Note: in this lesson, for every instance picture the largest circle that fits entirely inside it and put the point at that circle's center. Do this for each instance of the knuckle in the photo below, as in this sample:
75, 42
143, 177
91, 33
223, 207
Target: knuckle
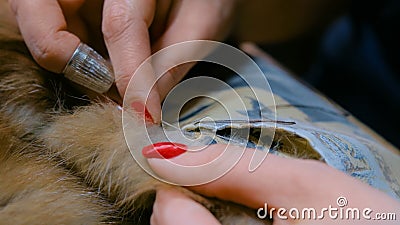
42, 53
41, 56
115, 21
14, 6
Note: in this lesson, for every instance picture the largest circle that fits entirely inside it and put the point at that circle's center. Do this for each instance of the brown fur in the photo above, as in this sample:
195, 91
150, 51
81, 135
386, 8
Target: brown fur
63, 159
34, 190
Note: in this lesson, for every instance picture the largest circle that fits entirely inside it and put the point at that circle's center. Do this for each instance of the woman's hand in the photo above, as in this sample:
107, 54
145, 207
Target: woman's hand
129, 31
278, 182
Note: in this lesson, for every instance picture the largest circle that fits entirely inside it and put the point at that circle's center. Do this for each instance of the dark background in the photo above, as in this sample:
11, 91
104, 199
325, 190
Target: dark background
355, 61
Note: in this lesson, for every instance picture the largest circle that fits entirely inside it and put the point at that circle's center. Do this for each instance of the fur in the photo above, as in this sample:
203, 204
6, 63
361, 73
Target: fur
35, 190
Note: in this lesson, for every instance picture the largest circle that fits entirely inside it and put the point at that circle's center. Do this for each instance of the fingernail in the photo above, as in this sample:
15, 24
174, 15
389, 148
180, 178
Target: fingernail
164, 150
142, 110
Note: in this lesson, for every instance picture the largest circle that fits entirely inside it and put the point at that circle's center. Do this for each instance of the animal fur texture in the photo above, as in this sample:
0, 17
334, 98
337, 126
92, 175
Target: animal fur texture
64, 160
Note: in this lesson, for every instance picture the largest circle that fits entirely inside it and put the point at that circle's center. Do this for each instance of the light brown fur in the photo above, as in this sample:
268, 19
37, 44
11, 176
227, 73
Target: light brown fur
34, 190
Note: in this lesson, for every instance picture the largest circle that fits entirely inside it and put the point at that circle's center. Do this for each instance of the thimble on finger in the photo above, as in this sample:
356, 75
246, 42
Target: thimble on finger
89, 69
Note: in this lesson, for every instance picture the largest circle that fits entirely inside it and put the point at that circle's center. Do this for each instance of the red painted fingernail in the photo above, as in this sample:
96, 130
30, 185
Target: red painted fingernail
142, 110
163, 150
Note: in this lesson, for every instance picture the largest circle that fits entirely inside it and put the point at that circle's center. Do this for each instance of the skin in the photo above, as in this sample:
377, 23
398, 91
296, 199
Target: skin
126, 31
279, 182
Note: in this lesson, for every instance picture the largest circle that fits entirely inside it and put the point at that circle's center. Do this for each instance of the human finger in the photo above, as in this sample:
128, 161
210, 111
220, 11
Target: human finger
171, 207
280, 182
125, 29
44, 29
186, 22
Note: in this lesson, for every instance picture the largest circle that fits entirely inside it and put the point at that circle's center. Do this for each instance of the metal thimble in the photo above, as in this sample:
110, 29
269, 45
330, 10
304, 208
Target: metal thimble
89, 69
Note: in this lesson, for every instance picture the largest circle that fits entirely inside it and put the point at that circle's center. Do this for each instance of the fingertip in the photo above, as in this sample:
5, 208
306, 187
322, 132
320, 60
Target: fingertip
153, 105
147, 108
141, 93
173, 207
